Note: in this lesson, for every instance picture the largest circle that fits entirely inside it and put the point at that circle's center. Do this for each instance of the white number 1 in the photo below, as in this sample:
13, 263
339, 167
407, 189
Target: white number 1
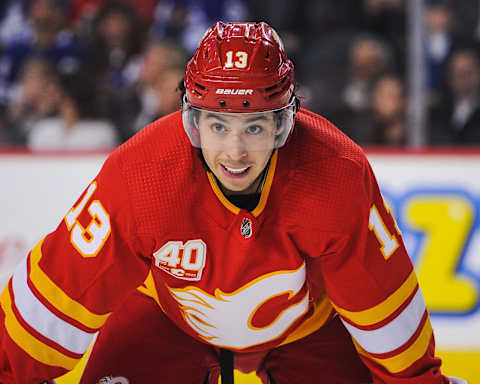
389, 242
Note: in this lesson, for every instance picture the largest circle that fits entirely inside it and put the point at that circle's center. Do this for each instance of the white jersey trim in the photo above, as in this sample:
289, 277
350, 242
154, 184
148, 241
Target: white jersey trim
394, 334
42, 319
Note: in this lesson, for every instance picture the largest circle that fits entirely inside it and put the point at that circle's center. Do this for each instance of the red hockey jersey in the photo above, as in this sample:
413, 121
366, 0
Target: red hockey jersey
320, 243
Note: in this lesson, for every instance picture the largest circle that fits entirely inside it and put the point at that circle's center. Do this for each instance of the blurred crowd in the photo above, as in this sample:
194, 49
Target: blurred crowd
89, 74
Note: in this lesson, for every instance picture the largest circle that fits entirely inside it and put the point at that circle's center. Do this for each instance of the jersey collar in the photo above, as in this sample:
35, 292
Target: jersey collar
263, 197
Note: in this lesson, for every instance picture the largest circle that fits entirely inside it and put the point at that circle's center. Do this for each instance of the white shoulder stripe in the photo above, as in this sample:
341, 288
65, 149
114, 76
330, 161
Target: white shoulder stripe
395, 333
42, 319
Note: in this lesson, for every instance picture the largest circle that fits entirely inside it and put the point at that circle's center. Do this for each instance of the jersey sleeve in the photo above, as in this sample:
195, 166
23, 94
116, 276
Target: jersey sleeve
65, 289
372, 285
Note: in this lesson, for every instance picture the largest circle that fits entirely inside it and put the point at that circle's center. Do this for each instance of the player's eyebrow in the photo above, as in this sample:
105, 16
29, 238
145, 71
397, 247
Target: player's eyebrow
256, 118
252, 119
215, 116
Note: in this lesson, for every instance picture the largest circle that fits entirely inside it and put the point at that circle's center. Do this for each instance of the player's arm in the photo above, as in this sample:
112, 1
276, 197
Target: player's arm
372, 284
64, 290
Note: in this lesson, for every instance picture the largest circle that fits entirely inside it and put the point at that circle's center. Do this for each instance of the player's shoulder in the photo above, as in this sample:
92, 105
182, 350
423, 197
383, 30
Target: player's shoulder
319, 140
326, 174
155, 167
160, 139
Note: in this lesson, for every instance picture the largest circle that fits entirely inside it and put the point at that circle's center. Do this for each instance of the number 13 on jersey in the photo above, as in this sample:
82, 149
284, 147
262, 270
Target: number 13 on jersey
88, 241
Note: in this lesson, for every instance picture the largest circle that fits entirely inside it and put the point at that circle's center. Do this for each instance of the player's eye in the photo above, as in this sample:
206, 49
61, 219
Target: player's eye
254, 129
218, 128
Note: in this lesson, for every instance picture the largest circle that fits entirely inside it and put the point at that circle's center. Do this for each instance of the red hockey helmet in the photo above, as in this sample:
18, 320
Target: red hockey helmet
240, 68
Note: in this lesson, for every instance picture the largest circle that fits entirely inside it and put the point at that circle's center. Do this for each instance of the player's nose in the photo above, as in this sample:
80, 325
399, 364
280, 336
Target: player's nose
235, 148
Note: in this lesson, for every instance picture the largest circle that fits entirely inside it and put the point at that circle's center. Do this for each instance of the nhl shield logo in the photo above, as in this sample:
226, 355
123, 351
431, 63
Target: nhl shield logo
114, 380
246, 228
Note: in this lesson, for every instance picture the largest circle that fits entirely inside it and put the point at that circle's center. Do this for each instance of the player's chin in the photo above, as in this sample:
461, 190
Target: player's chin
237, 185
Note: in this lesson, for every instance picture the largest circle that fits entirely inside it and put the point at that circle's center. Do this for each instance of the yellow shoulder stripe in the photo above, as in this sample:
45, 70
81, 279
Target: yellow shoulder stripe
268, 185
385, 308
32, 346
58, 298
406, 358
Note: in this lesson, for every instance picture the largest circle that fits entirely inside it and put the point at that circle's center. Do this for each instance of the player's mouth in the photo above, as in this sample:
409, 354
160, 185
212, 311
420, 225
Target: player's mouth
235, 173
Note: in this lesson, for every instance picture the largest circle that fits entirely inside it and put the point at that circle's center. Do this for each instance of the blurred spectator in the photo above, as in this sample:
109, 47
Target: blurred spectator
440, 41
83, 14
85, 10
388, 113
13, 21
369, 59
78, 125
47, 38
455, 119
114, 55
115, 45
386, 19
185, 21
164, 98
150, 97
37, 98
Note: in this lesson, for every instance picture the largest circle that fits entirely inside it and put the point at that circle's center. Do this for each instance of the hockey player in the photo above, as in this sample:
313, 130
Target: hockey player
259, 239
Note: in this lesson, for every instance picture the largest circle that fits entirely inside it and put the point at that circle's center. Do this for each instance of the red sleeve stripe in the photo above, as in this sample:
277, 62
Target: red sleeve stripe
409, 356
388, 319
37, 335
31, 345
393, 334
40, 318
58, 298
51, 308
407, 344
384, 309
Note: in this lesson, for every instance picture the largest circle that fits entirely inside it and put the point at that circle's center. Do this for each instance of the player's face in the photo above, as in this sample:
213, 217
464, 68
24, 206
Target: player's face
237, 147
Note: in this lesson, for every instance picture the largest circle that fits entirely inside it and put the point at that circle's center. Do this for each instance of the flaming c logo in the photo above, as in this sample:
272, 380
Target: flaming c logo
226, 318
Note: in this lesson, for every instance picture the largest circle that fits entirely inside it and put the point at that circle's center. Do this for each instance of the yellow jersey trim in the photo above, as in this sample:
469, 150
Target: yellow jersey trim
406, 358
148, 289
268, 185
58, 298
31, 345
385, 308
263, 197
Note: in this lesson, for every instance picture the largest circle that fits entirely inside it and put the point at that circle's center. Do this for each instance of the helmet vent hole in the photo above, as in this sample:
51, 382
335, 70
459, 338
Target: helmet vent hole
267, 55
223, 103
273, 95
200, 86
246, 104
271, 88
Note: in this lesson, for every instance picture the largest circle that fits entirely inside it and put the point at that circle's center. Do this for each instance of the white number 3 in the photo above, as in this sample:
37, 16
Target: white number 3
241, 61
388, 242
88, 241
